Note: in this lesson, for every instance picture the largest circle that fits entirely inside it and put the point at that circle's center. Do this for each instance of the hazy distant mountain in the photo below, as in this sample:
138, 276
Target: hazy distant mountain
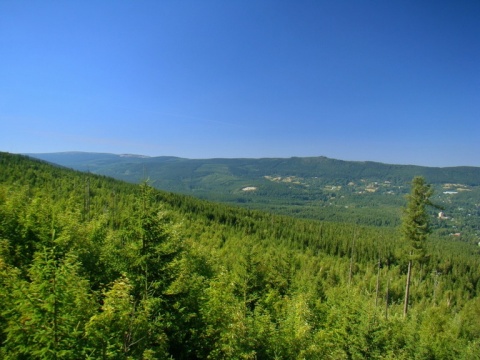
167, 168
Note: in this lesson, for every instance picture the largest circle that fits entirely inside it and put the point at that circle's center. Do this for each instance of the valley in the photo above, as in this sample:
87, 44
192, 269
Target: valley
317, 188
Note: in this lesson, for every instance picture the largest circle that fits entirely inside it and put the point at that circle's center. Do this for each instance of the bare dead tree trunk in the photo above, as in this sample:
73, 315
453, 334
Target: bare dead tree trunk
350, 274
87, 199
378, 283
386, 299
407, 288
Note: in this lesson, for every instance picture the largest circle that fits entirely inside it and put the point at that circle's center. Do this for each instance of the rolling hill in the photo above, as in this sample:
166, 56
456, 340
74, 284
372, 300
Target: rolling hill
321, 188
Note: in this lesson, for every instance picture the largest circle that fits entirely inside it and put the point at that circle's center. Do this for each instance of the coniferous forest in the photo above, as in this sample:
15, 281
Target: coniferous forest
96, 268
318, 188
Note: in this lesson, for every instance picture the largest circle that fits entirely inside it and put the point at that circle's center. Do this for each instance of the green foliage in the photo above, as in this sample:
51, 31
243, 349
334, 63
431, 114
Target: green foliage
366, 193
91, 267
46, 314
416, 223
122, 329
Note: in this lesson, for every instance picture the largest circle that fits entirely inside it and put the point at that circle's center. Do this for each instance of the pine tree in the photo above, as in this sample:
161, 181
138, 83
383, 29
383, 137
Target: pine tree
46, 316
123, 328
416, 226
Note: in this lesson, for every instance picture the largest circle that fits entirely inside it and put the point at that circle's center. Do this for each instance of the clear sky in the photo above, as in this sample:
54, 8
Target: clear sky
390, 81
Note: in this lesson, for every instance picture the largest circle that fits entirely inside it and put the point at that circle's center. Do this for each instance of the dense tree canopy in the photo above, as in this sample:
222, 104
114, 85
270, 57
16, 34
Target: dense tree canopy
95, 268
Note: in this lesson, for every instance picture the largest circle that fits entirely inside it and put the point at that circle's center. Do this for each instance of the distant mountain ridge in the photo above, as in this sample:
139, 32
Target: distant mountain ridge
333, 169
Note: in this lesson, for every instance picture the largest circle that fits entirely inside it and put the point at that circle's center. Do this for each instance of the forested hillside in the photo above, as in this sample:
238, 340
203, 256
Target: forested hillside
96, 268
320, 188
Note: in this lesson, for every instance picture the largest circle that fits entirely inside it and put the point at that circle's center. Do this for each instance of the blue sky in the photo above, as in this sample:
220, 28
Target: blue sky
389, 81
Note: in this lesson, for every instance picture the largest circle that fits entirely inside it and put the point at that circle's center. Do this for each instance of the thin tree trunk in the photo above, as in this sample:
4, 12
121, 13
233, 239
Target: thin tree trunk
407, 289
351, 260
87, 199
435, 284
378, 284
55, 313
386, 299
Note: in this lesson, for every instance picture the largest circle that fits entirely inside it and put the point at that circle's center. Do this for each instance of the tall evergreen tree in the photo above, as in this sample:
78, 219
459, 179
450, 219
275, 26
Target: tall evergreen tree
416, 226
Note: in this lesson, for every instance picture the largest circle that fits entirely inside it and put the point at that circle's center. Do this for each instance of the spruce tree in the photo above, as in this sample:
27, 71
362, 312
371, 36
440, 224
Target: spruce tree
46, 315
416, 226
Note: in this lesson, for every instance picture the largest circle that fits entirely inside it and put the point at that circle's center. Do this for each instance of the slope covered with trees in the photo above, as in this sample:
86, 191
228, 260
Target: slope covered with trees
320, 188
91, 267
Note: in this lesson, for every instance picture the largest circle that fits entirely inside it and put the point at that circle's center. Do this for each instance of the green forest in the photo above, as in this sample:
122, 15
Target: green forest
319, 188
96, 268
